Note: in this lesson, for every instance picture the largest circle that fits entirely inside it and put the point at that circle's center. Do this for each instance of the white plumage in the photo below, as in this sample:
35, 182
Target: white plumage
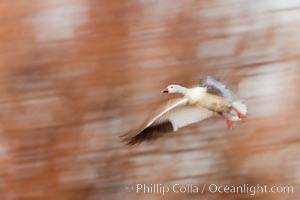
197, 104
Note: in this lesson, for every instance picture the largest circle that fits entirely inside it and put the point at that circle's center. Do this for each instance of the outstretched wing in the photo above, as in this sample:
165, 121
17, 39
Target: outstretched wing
215, 87
218, 88
175, 115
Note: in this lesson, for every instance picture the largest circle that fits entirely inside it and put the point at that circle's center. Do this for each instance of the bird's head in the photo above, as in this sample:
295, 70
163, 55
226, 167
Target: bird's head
172, 89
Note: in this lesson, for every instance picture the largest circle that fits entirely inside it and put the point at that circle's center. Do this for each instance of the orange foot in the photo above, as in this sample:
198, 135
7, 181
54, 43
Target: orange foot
241, 116
229, 123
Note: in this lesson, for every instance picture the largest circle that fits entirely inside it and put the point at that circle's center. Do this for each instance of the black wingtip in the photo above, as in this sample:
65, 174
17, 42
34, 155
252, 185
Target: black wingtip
129, 141
150, 133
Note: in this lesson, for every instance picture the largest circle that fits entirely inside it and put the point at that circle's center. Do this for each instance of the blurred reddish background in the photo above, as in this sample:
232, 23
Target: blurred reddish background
76, 74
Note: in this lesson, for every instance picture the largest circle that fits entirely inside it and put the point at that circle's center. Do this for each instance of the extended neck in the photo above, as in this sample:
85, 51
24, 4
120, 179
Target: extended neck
182, 90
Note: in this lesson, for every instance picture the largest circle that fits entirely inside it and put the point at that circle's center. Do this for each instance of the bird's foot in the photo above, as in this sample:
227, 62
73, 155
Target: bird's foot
241, 116
230, 123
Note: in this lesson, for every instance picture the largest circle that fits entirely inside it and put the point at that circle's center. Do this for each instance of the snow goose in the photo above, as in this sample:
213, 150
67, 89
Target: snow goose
197, 104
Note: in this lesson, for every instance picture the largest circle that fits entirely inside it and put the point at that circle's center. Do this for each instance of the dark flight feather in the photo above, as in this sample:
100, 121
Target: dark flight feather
151, 132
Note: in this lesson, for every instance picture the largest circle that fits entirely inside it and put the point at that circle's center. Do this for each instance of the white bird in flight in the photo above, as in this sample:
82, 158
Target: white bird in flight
197, 104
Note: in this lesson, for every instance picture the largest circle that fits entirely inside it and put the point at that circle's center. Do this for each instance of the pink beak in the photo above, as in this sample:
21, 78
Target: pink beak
165, 90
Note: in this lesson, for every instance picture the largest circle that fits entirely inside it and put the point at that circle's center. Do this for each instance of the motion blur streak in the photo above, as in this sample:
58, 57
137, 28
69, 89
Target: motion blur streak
76, 74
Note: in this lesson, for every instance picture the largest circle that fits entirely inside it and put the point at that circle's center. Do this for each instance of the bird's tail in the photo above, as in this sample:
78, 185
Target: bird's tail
240, 107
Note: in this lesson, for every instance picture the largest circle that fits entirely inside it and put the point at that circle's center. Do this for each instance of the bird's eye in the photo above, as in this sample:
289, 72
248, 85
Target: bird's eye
171, 86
